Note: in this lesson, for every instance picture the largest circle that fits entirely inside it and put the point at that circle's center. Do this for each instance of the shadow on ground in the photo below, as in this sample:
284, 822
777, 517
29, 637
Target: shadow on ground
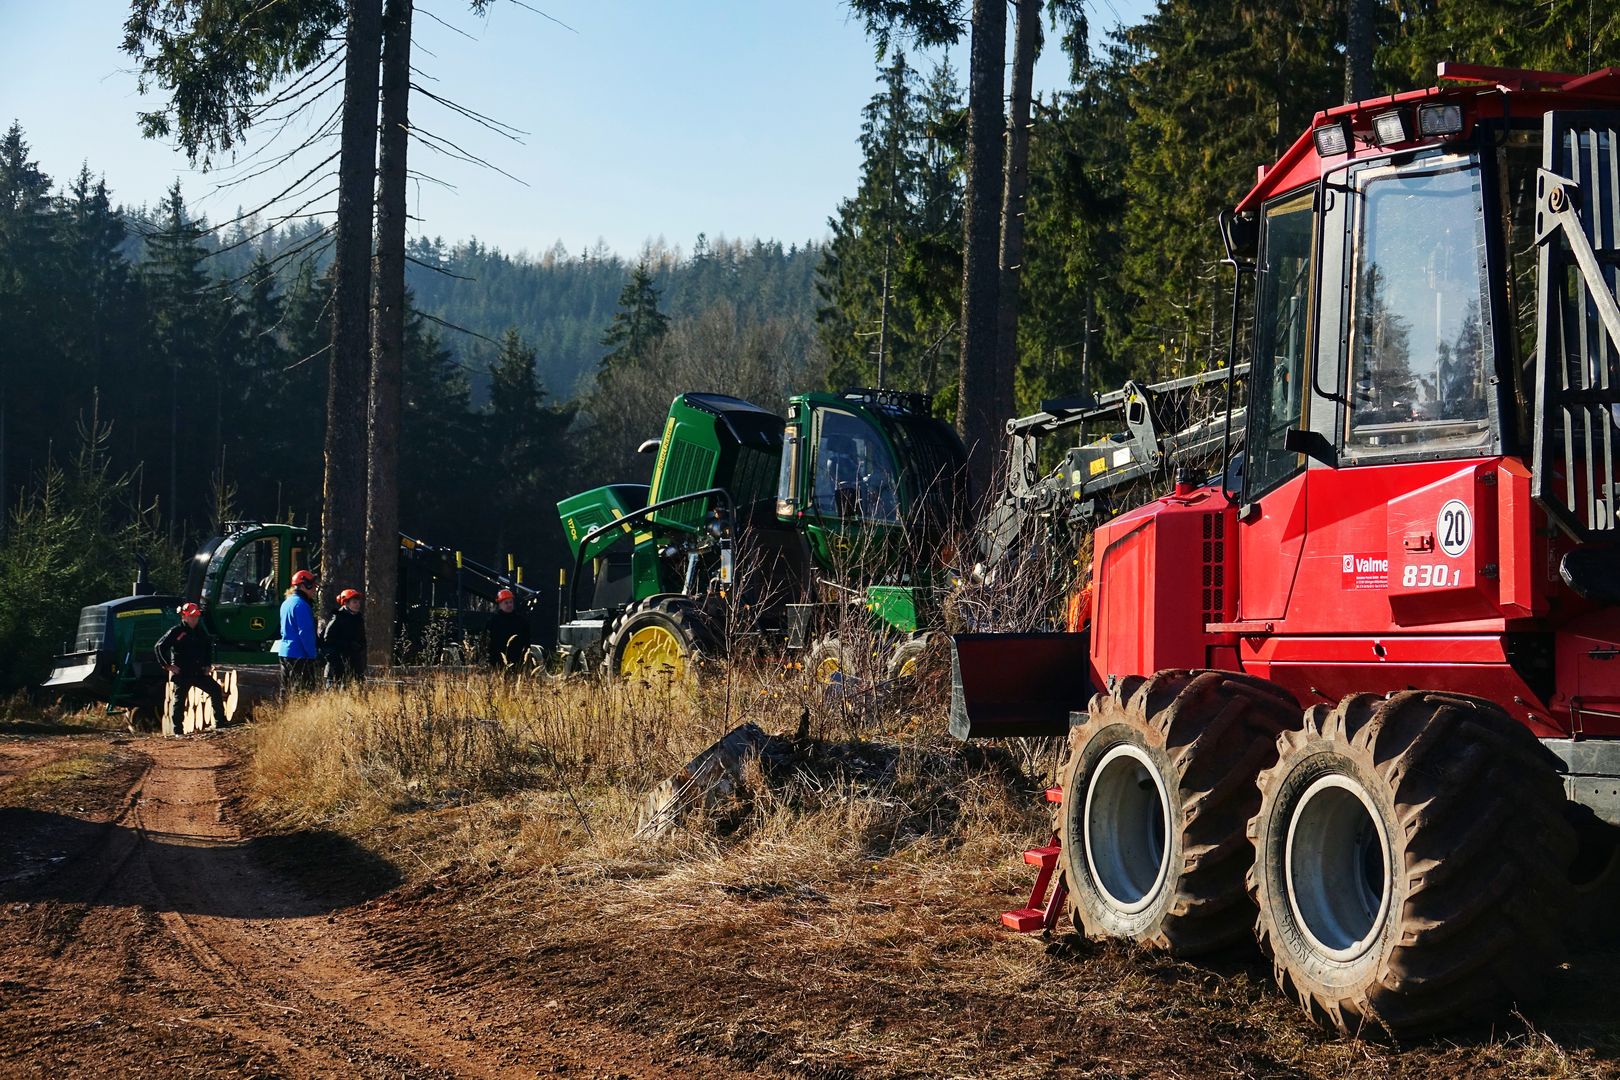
57, 858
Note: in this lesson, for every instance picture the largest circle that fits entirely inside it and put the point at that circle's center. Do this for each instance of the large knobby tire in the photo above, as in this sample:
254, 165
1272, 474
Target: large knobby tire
1157, 791
665, 635
828, 662
1594, 876
1410, 862
908, 658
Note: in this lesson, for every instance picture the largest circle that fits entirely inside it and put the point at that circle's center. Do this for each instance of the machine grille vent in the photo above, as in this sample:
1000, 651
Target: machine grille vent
690, 468
1214, 574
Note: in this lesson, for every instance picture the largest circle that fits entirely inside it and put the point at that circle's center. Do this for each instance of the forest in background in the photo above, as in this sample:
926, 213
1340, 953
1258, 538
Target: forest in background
159, 376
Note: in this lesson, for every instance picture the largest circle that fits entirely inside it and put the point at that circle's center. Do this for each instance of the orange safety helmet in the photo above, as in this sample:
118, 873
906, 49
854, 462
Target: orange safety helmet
188, 609
350, 594
304, 577
504, 594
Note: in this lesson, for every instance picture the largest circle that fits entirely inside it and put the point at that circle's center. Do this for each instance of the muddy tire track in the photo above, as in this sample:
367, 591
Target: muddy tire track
166, 944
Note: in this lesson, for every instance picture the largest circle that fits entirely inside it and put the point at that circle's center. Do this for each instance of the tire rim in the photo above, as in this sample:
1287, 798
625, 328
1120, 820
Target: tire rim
908, 667
1126, 812
1337, 866
829, 670
652, 648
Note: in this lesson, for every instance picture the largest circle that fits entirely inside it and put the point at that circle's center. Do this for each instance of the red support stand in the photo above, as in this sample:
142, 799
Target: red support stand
1043, 910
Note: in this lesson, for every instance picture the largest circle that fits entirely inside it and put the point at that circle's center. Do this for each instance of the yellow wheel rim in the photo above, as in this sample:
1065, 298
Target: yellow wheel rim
828, 669
653, 648
908, 667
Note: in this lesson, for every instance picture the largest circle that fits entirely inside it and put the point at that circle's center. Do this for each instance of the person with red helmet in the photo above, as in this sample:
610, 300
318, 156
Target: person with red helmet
187, 654
508, 634
343, 639
299, 645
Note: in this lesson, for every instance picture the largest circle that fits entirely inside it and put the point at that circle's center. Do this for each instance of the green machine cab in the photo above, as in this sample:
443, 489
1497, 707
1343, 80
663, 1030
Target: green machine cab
759, 529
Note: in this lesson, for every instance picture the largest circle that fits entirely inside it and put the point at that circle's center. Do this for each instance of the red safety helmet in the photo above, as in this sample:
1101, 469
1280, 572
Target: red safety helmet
189, 609
304, 577
350, 594
504, 594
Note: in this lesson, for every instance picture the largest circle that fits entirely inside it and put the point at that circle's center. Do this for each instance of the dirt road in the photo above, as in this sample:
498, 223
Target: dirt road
148, 935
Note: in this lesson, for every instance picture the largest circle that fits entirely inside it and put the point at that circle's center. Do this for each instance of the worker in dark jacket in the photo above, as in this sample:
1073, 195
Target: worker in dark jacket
299, 645
343, 640
187, 654
508, 635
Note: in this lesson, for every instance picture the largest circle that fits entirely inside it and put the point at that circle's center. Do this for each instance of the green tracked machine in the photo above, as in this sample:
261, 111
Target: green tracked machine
239, 578
768, 533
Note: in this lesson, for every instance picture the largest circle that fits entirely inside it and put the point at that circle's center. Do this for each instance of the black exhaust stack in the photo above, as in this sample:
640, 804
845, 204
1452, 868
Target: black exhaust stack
143, 587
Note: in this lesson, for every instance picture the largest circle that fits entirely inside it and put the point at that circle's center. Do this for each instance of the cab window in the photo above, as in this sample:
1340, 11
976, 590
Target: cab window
1278, 375
1420, 339
250, 578
787, 477
853, 476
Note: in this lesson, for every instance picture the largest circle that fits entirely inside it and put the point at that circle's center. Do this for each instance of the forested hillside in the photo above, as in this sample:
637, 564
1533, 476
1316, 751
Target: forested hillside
561, 302
161, 376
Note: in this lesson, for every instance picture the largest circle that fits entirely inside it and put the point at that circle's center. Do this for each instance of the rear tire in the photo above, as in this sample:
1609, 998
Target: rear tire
1595, 876
660, 635
1158, 788
828, 663
1410, 862
907, 659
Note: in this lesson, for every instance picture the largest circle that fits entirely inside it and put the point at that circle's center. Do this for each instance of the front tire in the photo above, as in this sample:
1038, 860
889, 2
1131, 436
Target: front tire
1410, 862
661, 635
1157, 790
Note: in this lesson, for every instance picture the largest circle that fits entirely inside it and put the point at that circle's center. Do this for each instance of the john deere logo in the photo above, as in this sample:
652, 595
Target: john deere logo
256, 623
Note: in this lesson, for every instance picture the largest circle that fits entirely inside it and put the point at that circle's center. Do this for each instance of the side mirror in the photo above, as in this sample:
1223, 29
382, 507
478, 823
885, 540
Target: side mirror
1241, 235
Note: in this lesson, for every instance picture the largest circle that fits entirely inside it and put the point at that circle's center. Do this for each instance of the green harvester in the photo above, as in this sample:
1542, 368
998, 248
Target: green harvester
763, 533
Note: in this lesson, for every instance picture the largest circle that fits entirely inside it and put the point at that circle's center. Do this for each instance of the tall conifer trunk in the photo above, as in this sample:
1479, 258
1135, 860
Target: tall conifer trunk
1358, 51
343, 517
388, 338
1026, 48
978, 401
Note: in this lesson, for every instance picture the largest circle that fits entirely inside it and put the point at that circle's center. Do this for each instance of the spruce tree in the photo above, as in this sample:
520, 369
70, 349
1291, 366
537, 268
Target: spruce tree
30, 296
184, 313
638, 323
526, 445
90, 234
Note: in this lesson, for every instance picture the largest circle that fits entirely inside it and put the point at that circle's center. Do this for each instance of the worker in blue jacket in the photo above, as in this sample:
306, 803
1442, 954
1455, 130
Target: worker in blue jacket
299, 646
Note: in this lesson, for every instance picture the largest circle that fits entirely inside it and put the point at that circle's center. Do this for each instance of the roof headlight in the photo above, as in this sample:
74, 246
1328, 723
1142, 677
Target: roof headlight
1390, 128
1440, 119
1331, 139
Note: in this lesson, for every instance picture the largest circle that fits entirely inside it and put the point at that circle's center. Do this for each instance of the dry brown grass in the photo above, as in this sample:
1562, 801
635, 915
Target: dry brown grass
360, 757
838, 920
21, 716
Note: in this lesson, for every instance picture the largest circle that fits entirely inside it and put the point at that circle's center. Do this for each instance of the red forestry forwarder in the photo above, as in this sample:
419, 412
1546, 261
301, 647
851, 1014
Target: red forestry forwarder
1361, 697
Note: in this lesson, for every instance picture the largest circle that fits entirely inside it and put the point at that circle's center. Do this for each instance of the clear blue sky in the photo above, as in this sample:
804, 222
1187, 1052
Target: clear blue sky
643, 118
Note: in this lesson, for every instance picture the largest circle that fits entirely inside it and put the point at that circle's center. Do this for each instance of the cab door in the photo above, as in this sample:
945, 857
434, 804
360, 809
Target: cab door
1404, 524
1272, 519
